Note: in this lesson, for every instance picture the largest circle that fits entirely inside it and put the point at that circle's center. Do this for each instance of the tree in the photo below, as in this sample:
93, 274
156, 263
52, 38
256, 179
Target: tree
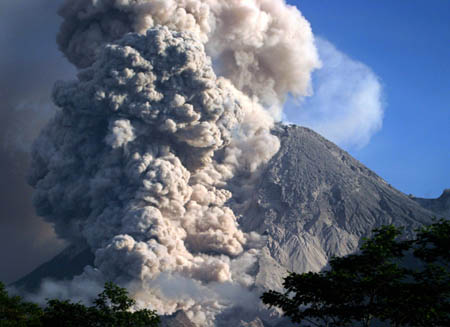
14, 312
110, 309
394, 282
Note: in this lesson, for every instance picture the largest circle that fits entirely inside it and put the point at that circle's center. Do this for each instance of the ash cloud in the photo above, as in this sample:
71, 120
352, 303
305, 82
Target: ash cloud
155, 147
128, 164
264, 47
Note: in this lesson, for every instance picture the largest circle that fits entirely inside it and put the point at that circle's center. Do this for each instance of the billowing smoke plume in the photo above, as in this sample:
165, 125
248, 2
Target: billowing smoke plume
137, 163
264, 47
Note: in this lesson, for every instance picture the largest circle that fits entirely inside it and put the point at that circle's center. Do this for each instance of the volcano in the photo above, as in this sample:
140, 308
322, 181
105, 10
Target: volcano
313, 201
316, 201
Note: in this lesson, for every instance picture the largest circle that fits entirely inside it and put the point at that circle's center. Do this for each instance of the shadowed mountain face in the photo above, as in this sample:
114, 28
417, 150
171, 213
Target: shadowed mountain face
314, 201
69, 263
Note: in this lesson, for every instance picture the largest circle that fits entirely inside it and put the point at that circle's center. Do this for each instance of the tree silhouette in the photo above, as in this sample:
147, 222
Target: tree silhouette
14, 312
112, 308
389, 282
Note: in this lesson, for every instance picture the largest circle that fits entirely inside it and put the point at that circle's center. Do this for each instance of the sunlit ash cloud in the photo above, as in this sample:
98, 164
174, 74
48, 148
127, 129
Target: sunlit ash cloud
152, 143
141, 161
347, 105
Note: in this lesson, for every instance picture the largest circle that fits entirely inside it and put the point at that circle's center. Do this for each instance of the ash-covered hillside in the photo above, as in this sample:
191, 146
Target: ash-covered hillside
440, 206
315, 201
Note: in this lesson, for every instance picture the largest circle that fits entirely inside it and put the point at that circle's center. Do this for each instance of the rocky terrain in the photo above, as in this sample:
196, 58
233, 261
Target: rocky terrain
315, 201
440, 206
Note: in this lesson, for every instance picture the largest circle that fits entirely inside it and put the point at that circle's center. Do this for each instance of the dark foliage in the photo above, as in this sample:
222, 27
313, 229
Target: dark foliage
390, 282
16, 313
110, 309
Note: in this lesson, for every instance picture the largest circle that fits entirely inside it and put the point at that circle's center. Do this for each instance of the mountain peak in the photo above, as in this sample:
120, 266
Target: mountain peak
315, 201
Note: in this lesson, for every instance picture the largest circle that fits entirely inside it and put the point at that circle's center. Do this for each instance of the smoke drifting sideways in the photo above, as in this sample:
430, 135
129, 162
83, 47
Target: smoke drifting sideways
140, 161
348, 102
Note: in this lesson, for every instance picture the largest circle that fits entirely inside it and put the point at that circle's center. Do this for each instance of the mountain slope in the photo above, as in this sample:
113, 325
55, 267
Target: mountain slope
315, 201
69, 263
440, 206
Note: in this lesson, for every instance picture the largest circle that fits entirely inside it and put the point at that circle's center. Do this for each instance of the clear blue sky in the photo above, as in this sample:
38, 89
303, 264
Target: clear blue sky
406, 43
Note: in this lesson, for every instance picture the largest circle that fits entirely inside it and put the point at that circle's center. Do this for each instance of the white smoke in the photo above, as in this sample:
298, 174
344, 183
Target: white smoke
347, 105
138, 161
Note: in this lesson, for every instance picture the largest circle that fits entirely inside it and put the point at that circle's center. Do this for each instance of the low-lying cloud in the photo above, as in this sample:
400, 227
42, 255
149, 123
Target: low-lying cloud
347, 105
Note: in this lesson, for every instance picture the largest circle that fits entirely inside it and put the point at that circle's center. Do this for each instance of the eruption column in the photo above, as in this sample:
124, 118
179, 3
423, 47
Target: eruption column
128, 164
139, 161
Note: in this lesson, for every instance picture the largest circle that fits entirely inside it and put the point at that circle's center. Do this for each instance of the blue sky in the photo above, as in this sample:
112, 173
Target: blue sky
405, 45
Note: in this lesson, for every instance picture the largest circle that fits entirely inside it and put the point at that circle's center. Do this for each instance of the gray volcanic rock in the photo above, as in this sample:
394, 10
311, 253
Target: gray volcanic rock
316, 201
440, 206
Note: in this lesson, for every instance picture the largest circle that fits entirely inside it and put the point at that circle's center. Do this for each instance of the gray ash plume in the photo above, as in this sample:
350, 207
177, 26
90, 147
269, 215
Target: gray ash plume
140, 160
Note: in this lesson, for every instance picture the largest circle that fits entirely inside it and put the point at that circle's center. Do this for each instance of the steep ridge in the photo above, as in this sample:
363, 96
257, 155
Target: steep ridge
315, 201
440, 206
